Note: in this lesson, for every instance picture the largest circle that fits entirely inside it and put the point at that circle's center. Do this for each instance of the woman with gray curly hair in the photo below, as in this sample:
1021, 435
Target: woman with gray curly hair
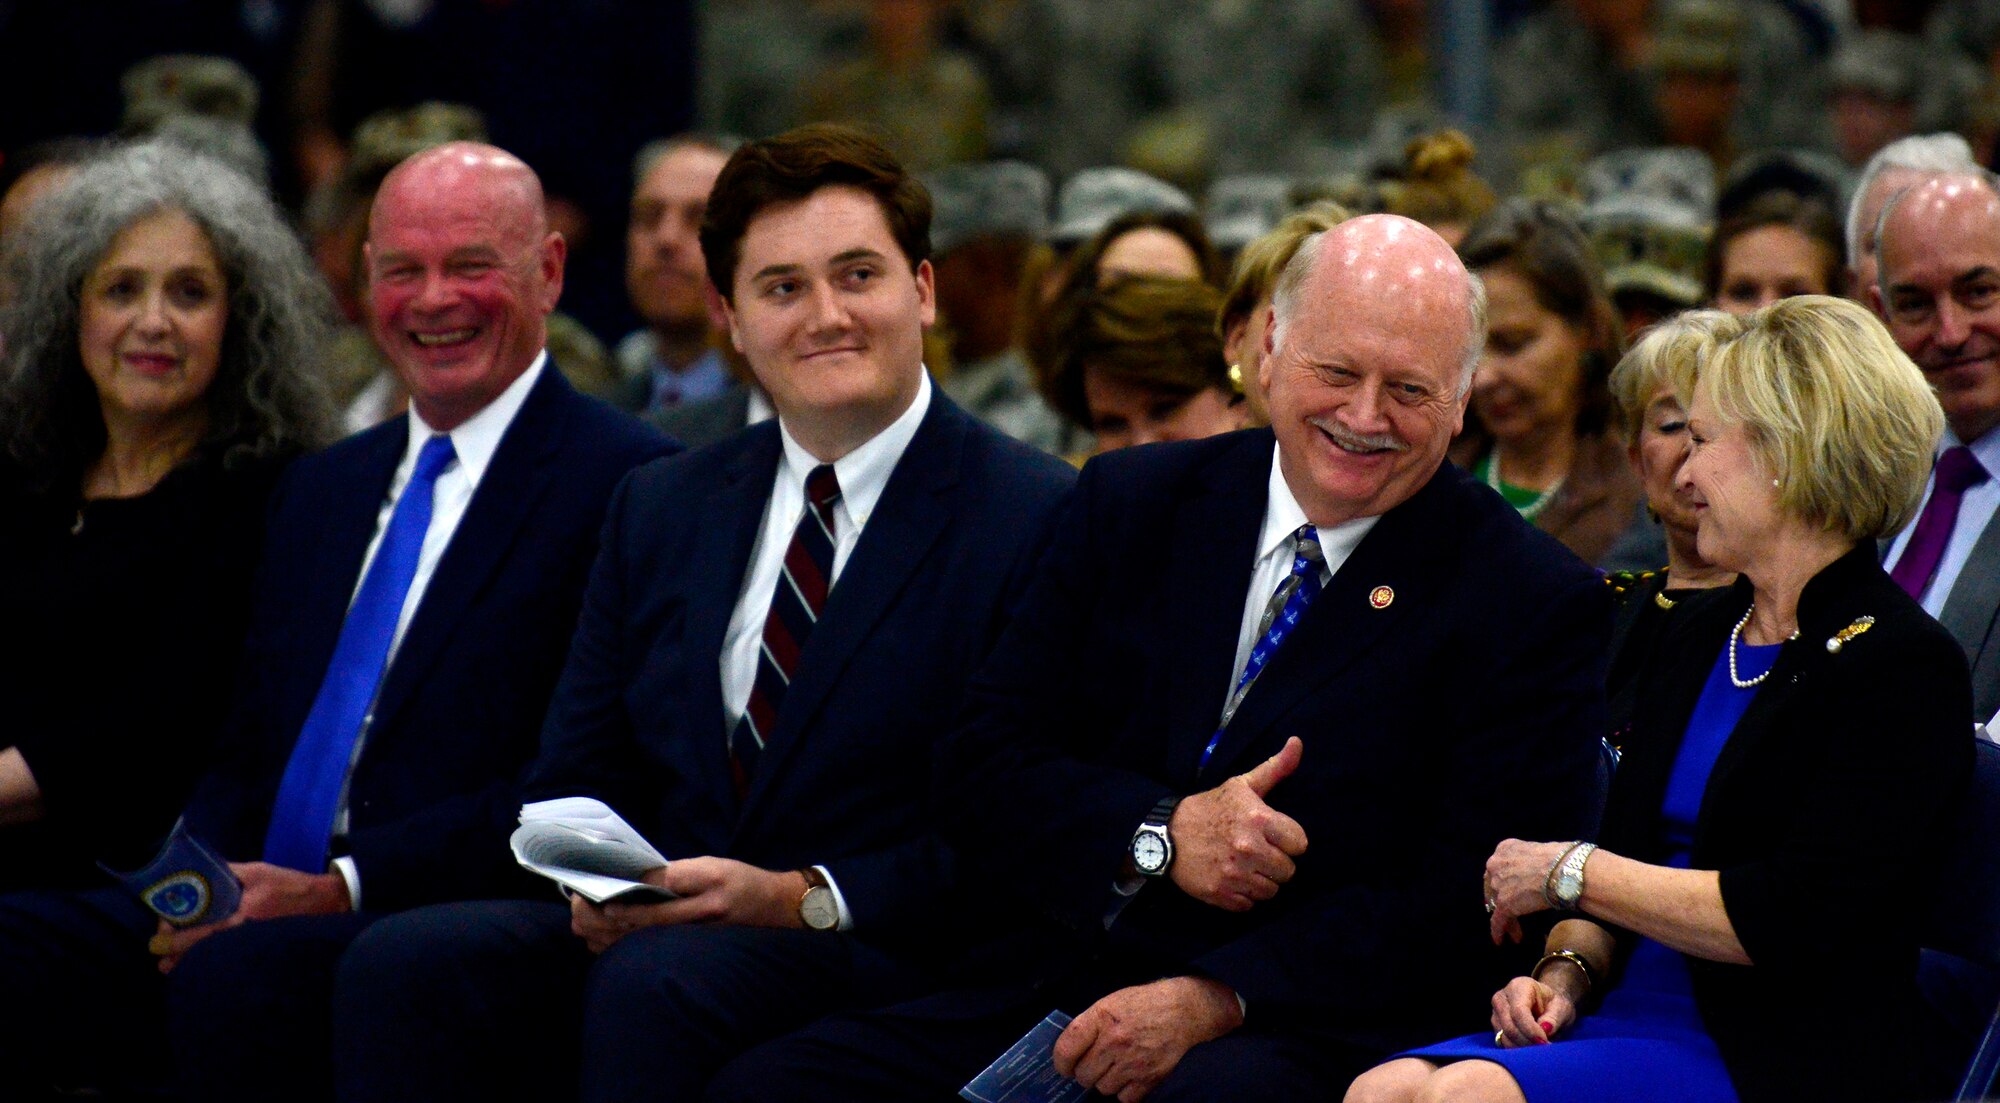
162, 332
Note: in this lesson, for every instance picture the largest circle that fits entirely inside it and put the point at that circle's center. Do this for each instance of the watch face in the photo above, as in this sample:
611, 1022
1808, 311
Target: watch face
1149, 853
818, 909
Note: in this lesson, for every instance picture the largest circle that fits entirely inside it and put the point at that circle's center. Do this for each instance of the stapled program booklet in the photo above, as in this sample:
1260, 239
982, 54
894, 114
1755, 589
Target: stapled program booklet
582, 845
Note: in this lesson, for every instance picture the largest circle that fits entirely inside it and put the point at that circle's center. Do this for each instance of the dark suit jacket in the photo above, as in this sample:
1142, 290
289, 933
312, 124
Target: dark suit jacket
458, 711
638, 720
1823, 813
1462, 711
707, 421
1971, 613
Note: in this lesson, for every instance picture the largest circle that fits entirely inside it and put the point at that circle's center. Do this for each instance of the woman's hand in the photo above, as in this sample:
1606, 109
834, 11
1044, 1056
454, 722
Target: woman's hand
1517, 876
1530, 1013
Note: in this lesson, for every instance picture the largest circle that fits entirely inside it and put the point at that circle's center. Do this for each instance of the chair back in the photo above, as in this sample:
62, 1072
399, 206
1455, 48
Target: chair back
1964, 915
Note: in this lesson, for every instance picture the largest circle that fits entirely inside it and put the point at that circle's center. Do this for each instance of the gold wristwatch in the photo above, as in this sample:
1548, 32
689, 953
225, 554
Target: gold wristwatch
817, 909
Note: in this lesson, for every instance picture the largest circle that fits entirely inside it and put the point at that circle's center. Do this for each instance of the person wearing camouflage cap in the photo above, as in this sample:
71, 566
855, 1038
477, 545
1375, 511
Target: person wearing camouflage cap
1240, 209
988, 220
1647, 212
1877, 78
1090, 200
1586, 74
186, 84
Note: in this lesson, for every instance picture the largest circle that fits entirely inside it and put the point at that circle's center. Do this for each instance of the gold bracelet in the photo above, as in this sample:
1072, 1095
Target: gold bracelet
1582, 966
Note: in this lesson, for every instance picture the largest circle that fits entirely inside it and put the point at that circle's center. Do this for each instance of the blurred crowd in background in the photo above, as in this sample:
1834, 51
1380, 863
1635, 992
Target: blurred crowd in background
1665, 129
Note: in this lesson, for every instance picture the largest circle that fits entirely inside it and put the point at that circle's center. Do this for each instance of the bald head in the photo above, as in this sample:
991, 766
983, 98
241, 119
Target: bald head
1384, 262
1375, 327
470, 170
1939, 291
462, 274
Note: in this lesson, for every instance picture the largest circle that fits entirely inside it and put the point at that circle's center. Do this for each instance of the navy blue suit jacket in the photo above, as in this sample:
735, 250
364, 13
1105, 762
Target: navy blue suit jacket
638, 719
459, 709
1447, 685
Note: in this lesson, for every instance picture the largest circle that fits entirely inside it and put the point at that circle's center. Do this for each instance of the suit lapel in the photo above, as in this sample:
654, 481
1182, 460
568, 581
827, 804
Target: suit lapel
1349, 616
912, 513
1680, 668
353, 505
730, 518
514, 481
1211, 547
1968, 611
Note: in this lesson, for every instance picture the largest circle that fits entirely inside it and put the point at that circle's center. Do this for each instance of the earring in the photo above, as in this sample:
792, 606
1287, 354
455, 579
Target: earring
1776, 483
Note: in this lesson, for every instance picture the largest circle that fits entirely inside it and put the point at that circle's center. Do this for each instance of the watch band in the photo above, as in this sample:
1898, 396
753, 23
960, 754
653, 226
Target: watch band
1564, 887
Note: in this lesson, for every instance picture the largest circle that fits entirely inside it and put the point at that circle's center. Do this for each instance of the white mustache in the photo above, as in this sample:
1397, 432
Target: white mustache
1359, 442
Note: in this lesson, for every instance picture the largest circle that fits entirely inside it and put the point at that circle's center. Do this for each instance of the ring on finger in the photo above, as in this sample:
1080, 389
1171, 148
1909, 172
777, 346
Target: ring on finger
1491, 905
1500, 1037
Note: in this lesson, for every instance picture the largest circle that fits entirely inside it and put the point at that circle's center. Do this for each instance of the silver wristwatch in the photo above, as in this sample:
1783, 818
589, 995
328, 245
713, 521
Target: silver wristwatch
1152, 847
1565, 884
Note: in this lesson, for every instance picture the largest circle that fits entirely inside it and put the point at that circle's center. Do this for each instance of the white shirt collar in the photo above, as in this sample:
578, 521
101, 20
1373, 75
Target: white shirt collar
1283, 515
864, 472
478, 437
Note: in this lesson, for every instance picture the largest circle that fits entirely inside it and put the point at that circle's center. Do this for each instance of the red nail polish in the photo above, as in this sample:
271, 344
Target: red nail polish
1548, 1028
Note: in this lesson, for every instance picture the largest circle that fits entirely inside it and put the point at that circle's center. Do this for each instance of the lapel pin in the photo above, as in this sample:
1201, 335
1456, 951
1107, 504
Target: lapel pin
1840, 638
1381, 597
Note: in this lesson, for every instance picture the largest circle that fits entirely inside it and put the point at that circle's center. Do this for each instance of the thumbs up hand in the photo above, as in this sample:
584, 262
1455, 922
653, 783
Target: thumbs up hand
1231, 849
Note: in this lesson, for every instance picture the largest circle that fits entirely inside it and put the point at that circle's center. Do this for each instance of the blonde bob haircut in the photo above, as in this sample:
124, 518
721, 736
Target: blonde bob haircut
1648, 365
1836, 413
1260, 262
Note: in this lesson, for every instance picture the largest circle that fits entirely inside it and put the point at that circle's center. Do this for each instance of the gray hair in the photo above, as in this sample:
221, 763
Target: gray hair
268, 399
1298, 271
1940, 153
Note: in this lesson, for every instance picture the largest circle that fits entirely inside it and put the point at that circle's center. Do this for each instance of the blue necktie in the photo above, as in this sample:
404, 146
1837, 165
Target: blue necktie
309, 795
1281, 615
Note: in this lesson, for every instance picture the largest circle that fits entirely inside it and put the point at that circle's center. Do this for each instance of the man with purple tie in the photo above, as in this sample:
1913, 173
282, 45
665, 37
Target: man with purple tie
1939, 289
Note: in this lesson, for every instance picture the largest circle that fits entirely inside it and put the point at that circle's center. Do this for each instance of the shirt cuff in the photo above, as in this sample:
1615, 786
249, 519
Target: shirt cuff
839, 902
351, 874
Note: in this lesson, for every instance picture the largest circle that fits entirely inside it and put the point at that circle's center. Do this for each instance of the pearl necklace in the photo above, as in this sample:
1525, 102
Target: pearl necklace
1528, 511
1735, 634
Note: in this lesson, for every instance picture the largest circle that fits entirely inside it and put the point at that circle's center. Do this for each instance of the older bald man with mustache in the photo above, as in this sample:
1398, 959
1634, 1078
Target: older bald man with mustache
1237, 762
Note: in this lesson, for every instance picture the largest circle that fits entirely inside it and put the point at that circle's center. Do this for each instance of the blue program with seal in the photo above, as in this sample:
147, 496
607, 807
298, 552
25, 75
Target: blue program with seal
186, 884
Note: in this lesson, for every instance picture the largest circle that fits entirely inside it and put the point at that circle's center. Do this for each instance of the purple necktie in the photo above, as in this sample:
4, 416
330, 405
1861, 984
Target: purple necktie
1957, 469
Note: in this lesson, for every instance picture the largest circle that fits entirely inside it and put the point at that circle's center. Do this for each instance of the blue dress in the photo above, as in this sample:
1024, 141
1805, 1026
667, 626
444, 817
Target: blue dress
1645, 1042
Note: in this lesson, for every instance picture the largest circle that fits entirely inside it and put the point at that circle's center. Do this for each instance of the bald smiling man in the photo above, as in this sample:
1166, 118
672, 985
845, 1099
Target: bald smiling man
1236, 766
1939, 290
419, 588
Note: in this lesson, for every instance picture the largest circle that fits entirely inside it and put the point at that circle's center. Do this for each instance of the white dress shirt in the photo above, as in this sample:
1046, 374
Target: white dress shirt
474, 442
863, 474
1282, 517
1975, 511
